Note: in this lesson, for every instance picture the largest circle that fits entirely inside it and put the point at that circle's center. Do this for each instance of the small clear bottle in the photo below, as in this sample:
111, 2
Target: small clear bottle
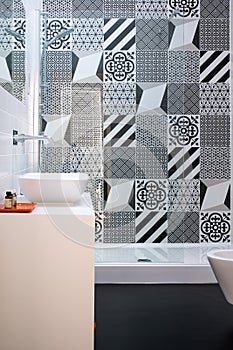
8, 200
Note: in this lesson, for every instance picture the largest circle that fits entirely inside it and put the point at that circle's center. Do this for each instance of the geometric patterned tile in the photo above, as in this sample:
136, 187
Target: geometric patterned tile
183, 227
215, 227
151, 227
19, 26
119, 98
175, 98
184, 34
56, 26
119, 130
59, 66
184, 162
88, 34
215, 195
99, 227
151, 163
214, 99
152, 34
184, 66
184, 130
191, 98
151, 9
119, 195
185, 9
152, 66
119, 67
6, 40
86, 100
215, 9
124, 9
151, 195
119, 162
119, 34
96, 188
58, 8
53, 159
18, 8
6, 9
214, 34
87, 66
215, 163
215, 131
215, 66
60, 103
87, 8
151, 99
151, 130
184, 195
119, 227
18, 66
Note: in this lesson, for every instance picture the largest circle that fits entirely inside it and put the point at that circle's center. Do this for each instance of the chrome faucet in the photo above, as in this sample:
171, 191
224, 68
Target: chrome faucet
21, 138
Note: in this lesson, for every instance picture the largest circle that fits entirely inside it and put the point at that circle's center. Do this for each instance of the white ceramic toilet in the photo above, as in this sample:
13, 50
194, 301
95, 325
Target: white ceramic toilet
221, 262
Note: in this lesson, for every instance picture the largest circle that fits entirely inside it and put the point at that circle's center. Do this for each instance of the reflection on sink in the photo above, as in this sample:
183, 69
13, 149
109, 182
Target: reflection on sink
53, 187
221, 262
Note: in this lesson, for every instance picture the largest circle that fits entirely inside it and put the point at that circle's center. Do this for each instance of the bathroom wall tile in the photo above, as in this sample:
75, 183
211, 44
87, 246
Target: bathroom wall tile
96, 188
6, 40
60, 103
214, 99
215, 195
151, 195
88, 34
119, 98
18, 66
184, 34
53, 159
18, 9
184, 195
151, 9
85, 160
119, 67
86, 100
183, 227
152, 34
183, 98
184, 66
18, 90
58, 66
215, 66
56, 26
215, 9
6, 9
87, 8
215, 130
184, 130
152, 66
151, 98
184, 162
214, 34
119, 195
175, 98
19, 26
191, 98
119, 34
58, 8
151, 227
151, 130
119, 227
87, 66
184, 9
119, 162
215, 227
119, 130
151, 163
99, 227
215, 163
119, 9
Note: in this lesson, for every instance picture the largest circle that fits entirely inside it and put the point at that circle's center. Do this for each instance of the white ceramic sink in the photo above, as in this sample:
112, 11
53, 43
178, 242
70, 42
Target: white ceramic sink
53, 187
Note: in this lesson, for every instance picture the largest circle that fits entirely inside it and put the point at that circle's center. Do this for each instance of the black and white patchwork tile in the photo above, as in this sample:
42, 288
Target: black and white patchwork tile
57, 26
96, 188
151, 130
152, 34
175, 98
119, 67
119, 227
123, 9
119, 195
58, 66
119, 130
184, 130
119, 98
183, 227
184, 34
184, 195
214, 99
18, 8
99, 218
55, 127
151, 99
88, 34
18, 66
215, 9
184, 162
61, 101
215, 227
6, 40
6, 9
87, 8
119, 162
18, 90
191, 98
19, 27
151, 9
119, 34
152, 66
215, 130
215, 195
87, 66
151, 227
86, 100
53, 159
151, 162
151, 195
85, 160
215, 66
183, 98
184, 9
215, 163
214, 34
184, 66
58, 8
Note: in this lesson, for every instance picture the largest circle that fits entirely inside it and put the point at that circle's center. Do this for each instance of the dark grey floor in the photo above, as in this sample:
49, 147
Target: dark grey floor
162, 317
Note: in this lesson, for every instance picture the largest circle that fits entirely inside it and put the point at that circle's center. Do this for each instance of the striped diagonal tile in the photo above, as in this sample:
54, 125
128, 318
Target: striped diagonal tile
184, 163
119, 34
119, 131
151, 227
214, 66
